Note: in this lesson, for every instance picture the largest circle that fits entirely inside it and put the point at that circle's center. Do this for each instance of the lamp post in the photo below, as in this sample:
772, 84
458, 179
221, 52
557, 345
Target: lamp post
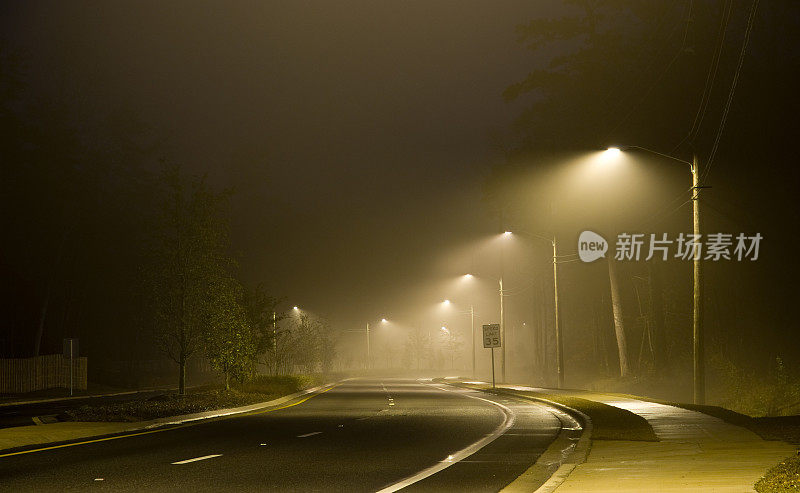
698, 346
275, 341
471, 313
369, 354
556, 318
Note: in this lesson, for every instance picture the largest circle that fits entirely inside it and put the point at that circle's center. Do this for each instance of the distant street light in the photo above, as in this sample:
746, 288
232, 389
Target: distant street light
699, 388
471, 313
369, 354
295, 308
559, 335
446, 302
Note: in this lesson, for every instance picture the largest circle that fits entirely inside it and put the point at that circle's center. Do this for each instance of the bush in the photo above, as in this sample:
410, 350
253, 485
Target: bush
283, 384
261, 389
783, 477
757, 394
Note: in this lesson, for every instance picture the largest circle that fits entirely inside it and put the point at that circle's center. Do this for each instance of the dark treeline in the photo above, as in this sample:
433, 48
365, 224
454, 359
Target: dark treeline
659, 75
106, 242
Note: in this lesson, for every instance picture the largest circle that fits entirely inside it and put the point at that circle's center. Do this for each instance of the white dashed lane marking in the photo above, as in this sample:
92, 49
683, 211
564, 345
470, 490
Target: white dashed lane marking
197, 459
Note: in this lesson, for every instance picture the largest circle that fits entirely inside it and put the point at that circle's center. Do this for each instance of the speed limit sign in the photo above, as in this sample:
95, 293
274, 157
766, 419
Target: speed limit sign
491, 335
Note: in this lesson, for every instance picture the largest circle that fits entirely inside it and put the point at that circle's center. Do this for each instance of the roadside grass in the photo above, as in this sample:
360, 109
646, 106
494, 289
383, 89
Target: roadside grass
262, 388
608, 422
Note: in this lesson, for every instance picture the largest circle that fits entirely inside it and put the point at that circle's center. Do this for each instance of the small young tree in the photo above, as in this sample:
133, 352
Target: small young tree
188, 263
231, 342
452, 343
328, 339
263, 317
418, 345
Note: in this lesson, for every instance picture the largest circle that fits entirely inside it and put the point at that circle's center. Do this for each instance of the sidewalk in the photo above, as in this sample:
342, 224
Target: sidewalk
27, 436
695, 452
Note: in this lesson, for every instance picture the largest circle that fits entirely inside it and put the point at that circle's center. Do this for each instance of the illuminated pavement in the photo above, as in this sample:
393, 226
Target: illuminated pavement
695, 452
360, 436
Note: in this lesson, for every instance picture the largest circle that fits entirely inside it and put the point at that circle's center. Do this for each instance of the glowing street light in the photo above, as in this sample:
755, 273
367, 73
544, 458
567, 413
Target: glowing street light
471, 314
295, 308
697, 273
446, 302
507, 233
369, 349
559, 338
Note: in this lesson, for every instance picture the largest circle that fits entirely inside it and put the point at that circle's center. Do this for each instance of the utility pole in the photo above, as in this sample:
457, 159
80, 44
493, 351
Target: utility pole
472, 324
502, 336
697, 295
369, 357
559, 338
275, 341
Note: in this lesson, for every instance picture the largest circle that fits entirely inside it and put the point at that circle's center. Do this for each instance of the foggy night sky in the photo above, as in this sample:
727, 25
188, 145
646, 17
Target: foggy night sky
355, 134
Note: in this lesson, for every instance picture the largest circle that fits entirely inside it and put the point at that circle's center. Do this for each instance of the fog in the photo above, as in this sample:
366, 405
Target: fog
375, 153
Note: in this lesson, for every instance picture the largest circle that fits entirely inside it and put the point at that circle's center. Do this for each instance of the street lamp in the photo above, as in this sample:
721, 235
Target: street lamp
699, 389
556, 317
369, 355
471, 313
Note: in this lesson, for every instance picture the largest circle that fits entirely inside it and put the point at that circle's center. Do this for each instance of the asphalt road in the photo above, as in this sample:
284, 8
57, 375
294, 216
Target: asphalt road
362, 435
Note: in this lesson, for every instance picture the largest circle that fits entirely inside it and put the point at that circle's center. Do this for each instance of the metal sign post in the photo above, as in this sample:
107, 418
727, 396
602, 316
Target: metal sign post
491, 339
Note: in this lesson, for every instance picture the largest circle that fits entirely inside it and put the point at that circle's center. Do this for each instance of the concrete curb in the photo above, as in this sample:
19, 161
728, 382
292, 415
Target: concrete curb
553, 453
579, 453
39, 439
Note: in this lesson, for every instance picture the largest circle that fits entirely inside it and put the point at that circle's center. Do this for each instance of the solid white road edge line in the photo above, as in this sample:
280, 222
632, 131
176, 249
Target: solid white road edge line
461, 454
309, 434
197, 459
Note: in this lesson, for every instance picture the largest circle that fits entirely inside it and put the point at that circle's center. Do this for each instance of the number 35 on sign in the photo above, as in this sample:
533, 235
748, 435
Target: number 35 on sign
491, 335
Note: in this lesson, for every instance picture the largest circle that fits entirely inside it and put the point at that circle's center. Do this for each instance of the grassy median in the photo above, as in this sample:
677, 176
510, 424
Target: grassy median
261, 389
608, 422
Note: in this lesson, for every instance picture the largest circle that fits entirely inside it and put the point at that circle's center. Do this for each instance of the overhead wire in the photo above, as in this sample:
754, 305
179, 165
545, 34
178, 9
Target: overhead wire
726, 110
713, 68
657, 80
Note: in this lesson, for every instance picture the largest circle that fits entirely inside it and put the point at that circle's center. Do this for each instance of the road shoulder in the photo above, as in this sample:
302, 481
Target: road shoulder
21, 439
693, 451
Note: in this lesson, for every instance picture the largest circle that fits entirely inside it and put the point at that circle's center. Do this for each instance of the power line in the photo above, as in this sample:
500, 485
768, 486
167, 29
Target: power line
724, 119
658, 79
712, 73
